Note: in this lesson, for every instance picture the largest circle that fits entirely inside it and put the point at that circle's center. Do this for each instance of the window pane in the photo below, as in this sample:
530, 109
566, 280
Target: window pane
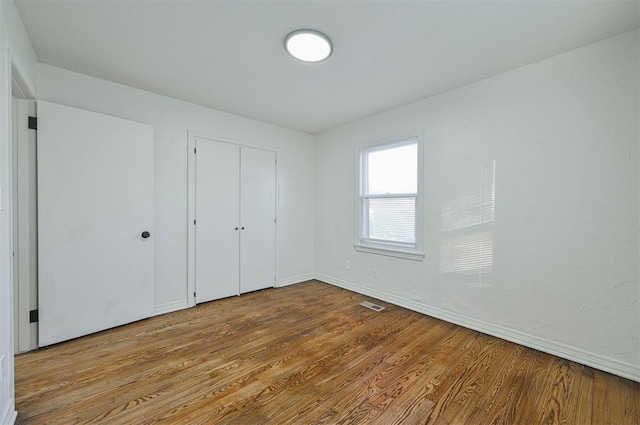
392, 219
393, 170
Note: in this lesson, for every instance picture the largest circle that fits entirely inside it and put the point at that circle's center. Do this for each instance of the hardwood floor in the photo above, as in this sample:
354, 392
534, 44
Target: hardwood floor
309, 354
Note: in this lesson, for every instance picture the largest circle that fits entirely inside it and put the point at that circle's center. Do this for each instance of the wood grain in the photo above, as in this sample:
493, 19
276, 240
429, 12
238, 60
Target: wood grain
309, 354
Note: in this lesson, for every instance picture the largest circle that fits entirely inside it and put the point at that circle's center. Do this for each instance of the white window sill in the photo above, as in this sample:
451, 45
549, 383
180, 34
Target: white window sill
389, 252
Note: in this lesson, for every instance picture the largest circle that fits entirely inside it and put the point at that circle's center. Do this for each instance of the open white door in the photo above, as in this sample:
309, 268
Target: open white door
95, 203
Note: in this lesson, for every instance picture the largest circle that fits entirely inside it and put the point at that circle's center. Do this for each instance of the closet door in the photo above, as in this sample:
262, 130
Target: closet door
258, 216
217, 220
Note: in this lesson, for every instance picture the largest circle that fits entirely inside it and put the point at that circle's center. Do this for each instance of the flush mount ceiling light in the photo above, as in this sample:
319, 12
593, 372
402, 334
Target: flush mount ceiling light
308, 45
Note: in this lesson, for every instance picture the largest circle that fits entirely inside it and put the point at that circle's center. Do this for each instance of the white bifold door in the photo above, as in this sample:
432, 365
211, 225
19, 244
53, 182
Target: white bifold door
235, 212
95, 222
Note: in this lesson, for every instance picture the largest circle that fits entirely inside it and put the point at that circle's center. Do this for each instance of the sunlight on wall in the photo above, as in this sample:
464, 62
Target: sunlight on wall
475, 205
469, 254
467, 221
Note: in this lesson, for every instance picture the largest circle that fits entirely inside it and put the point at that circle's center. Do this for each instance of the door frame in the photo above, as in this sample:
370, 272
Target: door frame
19, 89
25, 227
192, 135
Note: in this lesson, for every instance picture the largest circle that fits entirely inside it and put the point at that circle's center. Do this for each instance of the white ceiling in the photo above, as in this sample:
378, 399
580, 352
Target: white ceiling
229, 55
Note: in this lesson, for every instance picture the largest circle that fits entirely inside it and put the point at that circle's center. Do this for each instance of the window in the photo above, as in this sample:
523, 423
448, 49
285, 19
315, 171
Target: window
389, 213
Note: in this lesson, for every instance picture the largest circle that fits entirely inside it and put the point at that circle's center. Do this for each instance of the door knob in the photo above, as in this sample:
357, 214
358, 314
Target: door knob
145, 234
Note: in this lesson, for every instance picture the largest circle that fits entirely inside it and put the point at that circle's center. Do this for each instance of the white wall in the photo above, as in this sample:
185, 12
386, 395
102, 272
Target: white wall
14, 46
171, 119
563, 276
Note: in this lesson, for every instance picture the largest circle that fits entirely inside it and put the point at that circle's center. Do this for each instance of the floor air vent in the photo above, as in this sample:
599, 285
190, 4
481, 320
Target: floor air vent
372, 306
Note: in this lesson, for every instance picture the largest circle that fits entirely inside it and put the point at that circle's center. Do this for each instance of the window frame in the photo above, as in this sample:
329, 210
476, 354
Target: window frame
383, 247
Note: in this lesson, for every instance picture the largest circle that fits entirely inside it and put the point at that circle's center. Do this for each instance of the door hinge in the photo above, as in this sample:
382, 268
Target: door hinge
194, 221
194, 150
194, 294
33, 123
33, 316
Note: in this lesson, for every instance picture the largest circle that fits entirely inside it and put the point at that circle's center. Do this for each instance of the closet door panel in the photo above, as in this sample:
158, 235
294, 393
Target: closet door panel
217, 220
258, 214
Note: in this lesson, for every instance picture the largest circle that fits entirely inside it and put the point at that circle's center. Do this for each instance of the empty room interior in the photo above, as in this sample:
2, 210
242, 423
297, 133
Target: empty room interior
319, 212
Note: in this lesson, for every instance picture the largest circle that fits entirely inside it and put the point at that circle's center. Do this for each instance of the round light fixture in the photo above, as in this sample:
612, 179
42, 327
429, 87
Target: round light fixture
308, 45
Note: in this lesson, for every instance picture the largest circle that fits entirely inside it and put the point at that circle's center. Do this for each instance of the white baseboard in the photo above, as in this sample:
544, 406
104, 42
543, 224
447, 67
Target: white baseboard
597, 361
182, 304
295, 279
169, 307
8, 415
